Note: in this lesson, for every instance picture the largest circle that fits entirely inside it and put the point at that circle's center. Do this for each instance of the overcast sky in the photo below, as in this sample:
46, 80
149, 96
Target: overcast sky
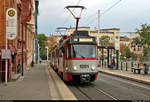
126, 15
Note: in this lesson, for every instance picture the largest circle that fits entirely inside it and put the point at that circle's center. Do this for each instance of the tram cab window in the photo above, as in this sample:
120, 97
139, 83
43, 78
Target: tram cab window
84, 51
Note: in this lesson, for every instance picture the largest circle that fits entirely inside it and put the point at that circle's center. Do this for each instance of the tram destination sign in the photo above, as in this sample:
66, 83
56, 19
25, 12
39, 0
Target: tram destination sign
85, 40
11, 23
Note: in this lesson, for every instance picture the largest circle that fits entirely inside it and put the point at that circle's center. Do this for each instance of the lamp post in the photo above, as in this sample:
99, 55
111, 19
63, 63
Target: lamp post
47, 53
22, 73
39, 53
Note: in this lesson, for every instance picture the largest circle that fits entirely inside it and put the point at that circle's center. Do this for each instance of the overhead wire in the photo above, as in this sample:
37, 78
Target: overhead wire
91, 16
111, 7
105, 11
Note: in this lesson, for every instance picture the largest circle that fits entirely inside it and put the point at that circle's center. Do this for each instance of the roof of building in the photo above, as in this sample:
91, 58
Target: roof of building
102, 32
111, 29
124, 38
78, 27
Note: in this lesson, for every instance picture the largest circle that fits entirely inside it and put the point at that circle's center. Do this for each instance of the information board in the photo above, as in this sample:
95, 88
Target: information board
11, 23
6, 54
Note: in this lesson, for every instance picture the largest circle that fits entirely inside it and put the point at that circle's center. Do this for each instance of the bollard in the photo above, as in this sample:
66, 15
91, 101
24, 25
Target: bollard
121, 65
145, 69
32, 64
126, 66
131, 64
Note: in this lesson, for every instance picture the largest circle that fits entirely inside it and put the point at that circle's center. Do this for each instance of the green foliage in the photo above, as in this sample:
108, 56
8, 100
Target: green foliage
43, 53
146, 51
104, 40
144, 38
144, 33
133, 56
122, 58
127, 52
137, 40
42, 40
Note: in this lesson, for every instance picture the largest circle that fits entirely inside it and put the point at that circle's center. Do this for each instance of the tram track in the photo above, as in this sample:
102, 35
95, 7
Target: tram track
94, 93
86, 95
95, 90
107, 94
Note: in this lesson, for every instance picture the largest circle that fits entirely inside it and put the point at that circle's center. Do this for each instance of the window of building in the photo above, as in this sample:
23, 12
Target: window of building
133, 47
139, 47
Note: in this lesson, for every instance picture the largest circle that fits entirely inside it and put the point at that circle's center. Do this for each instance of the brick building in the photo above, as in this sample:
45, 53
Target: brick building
24, 14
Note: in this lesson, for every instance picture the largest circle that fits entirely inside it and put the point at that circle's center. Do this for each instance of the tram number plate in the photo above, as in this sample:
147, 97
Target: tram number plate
84, 66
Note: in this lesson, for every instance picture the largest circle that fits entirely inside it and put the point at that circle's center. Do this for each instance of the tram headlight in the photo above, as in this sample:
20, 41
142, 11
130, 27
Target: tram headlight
66, 68
75, 68
93, 68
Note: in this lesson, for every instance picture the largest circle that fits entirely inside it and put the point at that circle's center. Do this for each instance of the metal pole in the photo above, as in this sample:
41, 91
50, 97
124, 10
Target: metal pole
6, 64
102, 57
38, 54
107, 56
22, 52
47, 53
98, 27
77, 23
32, 63
117, 57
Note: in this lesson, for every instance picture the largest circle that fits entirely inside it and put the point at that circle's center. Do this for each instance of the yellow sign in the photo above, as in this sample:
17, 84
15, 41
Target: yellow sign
117, 37
11, 13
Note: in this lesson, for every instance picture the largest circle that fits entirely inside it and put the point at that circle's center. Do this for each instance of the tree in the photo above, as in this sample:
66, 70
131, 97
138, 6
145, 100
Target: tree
133, 56
144, 38
144, 33
136, 40
52, 41
122, 46
127, 52
104, 40
42, 39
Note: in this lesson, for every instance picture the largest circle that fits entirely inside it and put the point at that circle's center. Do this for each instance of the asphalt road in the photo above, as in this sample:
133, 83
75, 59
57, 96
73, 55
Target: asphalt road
109, 87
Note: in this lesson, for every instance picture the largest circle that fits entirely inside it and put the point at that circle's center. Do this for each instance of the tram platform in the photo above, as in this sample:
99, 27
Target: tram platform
142, 78
39, 83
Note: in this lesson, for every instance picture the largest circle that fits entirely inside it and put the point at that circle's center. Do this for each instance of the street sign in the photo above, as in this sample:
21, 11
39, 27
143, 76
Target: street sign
117, 41
6, 54
11, 23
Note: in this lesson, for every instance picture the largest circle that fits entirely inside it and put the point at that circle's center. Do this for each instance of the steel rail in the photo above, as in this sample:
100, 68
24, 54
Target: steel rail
105, 93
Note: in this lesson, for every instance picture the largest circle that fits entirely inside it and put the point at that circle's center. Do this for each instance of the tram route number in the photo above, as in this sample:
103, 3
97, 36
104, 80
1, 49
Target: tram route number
84, 66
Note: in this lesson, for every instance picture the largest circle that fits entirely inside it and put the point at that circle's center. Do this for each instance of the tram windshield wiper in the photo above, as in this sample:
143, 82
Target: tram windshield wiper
81, 55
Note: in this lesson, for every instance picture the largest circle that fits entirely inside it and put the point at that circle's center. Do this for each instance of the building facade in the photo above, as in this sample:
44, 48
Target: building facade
24, 14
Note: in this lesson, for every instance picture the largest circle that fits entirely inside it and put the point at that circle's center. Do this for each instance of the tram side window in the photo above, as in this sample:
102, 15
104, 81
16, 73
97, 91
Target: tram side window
69, 52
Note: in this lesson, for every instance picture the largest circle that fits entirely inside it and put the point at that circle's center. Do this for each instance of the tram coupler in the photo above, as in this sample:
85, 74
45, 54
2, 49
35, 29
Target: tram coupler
85, 78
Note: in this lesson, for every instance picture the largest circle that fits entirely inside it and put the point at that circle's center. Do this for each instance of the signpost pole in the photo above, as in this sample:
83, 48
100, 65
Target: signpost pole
6, 64
11, 34
22, 73
117, 47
